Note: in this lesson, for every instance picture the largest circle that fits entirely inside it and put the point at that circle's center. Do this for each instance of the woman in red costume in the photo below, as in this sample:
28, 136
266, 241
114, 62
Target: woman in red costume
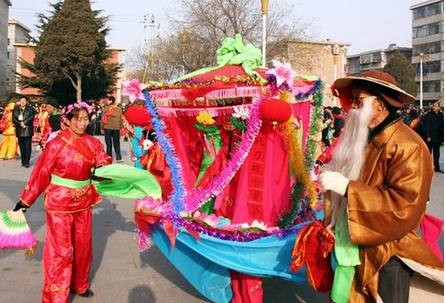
64, 171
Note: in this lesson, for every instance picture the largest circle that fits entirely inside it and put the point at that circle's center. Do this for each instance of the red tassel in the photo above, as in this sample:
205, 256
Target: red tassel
299, 250
194, 234
145, 222
171, 232
312, 248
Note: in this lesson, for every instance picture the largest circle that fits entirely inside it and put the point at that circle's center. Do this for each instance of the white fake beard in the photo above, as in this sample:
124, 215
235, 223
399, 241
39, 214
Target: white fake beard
348, 157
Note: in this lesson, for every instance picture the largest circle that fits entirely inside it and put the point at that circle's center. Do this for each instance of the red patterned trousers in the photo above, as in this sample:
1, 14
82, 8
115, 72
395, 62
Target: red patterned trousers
67, 255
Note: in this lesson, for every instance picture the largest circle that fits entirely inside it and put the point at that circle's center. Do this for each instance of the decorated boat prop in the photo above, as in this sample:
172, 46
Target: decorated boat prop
234, 154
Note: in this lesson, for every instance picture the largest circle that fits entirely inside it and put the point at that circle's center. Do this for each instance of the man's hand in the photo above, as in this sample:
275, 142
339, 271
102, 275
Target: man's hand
20, 205
333, 181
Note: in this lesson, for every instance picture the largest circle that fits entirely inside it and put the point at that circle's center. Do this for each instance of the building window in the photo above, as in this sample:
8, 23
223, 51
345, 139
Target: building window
430, 86
427, 30
428, 10
428, 48
430, 67
434, 66
370, 58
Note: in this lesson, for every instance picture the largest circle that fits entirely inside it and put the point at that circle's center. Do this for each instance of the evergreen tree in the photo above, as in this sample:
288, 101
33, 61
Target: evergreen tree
70, 54
403, 71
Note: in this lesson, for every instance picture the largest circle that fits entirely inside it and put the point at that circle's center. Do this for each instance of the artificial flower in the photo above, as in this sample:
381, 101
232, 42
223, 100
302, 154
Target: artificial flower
255, 225
205, 118
79, 105
258, 224
211, 220
241, 112
133, 89
283, 73
245, 225
197, 214
184, 214
150, 205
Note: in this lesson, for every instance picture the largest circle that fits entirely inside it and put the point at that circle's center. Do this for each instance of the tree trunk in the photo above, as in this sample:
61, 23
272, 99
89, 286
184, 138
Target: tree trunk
78, 87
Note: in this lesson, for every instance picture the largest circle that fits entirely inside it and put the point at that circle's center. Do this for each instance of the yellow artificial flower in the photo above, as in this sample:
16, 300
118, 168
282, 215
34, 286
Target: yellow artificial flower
205, 118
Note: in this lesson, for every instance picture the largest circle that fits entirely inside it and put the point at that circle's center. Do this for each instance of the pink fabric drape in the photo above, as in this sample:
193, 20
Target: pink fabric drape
263, 181
302, 111
188, 146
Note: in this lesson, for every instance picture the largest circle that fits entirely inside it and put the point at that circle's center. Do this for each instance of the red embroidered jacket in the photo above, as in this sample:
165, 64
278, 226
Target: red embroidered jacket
72, 157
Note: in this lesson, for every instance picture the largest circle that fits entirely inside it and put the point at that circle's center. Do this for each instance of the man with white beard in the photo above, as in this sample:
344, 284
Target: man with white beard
376, 194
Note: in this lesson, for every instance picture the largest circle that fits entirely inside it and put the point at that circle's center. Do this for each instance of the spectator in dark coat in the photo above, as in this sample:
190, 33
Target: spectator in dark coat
53, 109
338, 121
434, 125
414, 120
23, 117
327, 131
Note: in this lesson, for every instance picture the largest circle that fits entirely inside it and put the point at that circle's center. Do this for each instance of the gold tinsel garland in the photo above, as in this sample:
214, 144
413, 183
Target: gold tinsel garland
297, 158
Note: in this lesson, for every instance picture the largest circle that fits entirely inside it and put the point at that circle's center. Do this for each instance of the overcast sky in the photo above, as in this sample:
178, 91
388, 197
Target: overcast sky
365, 25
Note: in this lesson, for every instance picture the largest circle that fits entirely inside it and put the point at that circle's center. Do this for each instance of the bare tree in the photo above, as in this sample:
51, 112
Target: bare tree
200, 26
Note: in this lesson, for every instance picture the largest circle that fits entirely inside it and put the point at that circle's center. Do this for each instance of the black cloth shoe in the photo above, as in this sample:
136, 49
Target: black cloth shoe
87, 294
439, 171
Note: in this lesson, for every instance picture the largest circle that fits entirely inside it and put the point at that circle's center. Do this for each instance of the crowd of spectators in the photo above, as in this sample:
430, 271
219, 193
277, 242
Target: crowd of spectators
428, 123
48, 118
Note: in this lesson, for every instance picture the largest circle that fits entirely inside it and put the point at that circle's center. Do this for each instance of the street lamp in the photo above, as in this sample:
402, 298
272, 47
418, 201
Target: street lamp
264, 4
421, 80
335, 51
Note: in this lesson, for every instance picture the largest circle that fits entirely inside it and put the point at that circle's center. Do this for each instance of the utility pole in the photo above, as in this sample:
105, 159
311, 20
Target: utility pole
264, 5
421, 80
150, 26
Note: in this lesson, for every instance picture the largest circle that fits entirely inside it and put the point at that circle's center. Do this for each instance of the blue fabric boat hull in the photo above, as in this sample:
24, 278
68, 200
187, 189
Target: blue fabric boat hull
205, 263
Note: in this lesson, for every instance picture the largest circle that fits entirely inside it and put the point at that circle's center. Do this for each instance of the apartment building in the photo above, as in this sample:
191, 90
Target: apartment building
428, 48
4, 15
18, 40
374, 59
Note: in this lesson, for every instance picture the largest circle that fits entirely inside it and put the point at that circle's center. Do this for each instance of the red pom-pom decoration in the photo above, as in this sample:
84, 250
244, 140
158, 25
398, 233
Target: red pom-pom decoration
138, 115
275, 110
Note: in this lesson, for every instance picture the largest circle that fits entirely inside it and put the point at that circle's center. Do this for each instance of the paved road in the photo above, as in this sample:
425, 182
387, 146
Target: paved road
120, 272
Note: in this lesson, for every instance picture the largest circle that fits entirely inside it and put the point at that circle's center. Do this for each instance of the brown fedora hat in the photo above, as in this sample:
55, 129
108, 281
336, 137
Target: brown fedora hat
376, 82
